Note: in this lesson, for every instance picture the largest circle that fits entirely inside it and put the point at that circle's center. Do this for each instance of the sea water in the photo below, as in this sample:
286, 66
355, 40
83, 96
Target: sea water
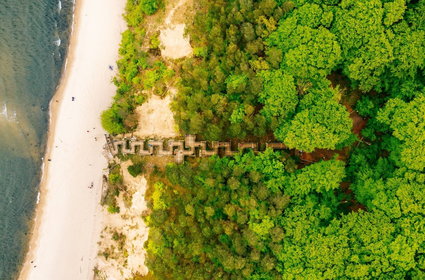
34, 37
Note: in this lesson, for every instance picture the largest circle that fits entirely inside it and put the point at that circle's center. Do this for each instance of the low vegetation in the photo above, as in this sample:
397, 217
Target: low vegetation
114, 186
135, 169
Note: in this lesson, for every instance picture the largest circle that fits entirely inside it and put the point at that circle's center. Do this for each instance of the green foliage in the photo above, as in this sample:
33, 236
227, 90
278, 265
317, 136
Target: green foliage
279, 94
269, 66
392, 193
113, 209
393, 11
115, 179
323, 125
222, 217
157, 197
138, 70
154, 41
314, 120
407, 123
112, 122
370, 41
236, 83
158, 73
237, 115
309, 53
375, 38
320, 177
367, 106
148, 7
219, 86
263, 228
135, 169
217, 222
200, 52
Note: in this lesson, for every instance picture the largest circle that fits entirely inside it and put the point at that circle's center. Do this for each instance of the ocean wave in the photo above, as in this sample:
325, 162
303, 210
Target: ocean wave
9, 116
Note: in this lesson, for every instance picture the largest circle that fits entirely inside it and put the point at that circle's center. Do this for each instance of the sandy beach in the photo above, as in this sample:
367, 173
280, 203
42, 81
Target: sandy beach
68, 217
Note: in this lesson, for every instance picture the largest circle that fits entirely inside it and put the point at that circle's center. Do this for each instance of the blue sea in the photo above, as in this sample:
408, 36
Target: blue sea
34, 38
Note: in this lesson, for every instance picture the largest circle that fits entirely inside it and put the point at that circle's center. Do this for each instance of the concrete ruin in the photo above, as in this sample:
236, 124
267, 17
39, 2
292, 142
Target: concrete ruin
181, 148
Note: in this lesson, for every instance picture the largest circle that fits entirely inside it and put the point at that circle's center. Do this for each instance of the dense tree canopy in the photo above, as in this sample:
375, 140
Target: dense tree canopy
219, 84
295, 70
379, 47
310, 50
407, 123
255, 217
321, 122
268, 53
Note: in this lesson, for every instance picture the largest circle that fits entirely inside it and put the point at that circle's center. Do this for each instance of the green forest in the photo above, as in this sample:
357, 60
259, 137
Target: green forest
341, 77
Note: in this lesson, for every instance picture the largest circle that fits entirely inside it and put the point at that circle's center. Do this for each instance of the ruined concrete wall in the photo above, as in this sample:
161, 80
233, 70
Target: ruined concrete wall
179, 148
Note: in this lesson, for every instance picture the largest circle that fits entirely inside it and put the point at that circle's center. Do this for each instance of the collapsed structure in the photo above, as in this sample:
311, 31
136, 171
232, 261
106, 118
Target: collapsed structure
181, 148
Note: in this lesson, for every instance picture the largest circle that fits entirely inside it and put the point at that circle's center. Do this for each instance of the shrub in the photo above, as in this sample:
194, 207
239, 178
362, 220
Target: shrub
112, 122
115, 179
113, 209
136, 169
149, 7
154, 41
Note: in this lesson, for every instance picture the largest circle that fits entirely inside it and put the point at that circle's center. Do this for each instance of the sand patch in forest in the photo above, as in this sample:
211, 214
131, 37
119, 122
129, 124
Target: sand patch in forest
173, 40
156, 118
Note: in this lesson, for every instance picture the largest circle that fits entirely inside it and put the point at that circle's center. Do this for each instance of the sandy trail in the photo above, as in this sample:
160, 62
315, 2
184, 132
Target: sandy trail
67, 223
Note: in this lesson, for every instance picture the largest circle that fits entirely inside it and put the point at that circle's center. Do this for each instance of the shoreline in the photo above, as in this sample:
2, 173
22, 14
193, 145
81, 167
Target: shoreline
53, 112
84, 11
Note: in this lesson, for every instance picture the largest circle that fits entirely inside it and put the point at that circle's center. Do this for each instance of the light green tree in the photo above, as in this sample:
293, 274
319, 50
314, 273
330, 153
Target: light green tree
406, 120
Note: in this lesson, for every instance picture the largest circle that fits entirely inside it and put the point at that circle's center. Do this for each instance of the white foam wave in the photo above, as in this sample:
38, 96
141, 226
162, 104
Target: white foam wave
59, 6
38, 197
7, 115
58, 42
4, 111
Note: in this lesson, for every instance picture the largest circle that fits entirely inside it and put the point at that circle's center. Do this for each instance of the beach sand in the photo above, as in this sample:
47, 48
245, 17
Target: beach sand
68, 218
